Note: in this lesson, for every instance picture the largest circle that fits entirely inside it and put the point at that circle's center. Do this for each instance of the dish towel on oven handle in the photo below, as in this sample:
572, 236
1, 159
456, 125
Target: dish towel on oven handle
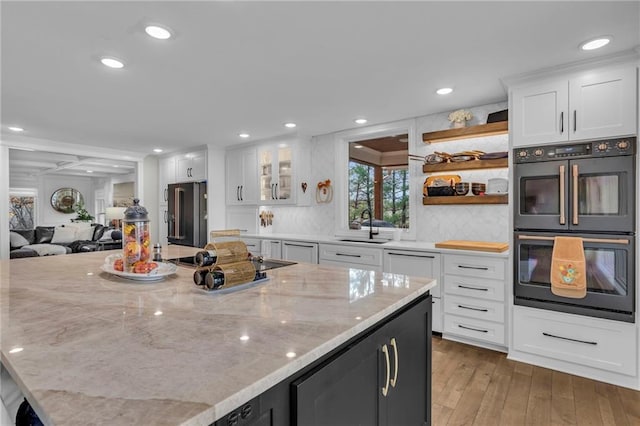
568, 268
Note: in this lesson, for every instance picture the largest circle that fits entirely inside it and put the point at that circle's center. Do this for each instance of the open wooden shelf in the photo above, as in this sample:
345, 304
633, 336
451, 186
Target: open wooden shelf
466, 165
466, 199
501, 127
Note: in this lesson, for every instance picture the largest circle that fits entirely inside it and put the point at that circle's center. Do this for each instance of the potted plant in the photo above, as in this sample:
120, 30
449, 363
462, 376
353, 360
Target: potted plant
82, 214
460, 117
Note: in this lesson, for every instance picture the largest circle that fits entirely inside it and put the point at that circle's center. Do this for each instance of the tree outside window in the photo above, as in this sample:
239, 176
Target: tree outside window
394, 193
22, 211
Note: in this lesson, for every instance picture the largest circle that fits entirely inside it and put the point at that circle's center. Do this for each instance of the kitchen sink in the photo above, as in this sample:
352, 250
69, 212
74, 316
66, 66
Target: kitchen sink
363, 240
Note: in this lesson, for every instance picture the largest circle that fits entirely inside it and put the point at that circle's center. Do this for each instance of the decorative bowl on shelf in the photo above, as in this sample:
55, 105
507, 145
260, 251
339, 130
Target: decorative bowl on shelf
478, 188
462, 188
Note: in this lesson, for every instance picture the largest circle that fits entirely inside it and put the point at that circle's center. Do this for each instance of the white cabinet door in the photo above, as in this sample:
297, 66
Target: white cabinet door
603, 104
272, 249
350, 256
300, 251
241, 176
191, 166
276, 170
166, 176
540, 114
163, 226
416, 263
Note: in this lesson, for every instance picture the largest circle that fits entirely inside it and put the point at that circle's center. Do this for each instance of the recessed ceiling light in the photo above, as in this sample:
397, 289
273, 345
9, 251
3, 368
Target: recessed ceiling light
16, 129
290, 125
244, 135
112, 62
596, 43
291, 354
89, 171
158, 150
444, 91
116, 166
360, 120
158, 32
358, 146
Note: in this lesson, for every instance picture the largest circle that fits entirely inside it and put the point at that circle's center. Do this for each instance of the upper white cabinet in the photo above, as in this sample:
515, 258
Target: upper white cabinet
242, 177
191, 166
276, 167
166, 176
594, 104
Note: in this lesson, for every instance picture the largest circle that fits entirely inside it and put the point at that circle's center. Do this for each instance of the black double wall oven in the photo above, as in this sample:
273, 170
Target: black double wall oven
583, 190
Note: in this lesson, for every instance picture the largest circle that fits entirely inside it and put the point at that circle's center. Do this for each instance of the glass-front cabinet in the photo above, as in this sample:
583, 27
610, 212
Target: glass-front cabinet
276, 174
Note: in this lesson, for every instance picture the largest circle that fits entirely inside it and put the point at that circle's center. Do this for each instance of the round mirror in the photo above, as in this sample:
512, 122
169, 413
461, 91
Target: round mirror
66, 200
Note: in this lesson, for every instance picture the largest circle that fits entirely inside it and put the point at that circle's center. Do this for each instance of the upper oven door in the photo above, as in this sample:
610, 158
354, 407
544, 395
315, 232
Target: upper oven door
541, 196
576, 195
602, 194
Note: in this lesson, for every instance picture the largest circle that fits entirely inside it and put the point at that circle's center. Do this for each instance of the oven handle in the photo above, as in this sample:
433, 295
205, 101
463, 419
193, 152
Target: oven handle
575, 194
588, 240
562, 195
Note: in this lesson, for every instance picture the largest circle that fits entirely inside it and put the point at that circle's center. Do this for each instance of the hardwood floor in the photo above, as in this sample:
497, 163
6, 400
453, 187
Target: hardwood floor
476, 386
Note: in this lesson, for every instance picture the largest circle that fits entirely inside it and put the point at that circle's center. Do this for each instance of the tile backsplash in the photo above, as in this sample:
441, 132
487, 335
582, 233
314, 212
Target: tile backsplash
433, 223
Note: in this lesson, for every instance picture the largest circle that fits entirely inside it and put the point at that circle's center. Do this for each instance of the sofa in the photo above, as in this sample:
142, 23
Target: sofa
54, 240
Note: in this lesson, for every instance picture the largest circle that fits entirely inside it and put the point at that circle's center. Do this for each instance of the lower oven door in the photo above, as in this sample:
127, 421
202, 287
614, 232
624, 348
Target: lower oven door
609, 268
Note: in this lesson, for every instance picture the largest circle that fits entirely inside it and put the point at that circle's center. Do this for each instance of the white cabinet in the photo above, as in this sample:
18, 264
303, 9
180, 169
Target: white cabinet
271, 249
276, 170
297, 251
418, 264
589, 105
163, 226
575, 340
166, 176
191, 166
242, 178
474, 295
351, 256
254, 245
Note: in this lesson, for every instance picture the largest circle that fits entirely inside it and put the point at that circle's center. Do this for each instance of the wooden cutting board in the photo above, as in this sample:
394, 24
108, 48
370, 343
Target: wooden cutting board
473, 245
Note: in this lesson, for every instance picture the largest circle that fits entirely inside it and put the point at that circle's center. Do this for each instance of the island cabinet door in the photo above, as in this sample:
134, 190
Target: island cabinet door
383, 379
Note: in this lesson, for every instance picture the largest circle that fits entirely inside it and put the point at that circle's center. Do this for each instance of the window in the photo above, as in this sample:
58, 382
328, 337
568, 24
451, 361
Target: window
22, 209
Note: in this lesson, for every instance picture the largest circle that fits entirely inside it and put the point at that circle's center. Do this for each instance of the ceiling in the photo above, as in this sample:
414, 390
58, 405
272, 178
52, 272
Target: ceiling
235, 66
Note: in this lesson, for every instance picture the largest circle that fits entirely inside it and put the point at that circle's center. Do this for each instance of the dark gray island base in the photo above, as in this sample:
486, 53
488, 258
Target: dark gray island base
380, 377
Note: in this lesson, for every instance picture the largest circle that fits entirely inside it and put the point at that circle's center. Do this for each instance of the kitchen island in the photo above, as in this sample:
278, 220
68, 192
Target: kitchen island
100, 349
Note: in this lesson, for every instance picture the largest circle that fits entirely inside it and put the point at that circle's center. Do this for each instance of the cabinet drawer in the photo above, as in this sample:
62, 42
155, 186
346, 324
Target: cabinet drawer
481, 267
474, 287
474, 308
253, 245
476, 329
608, 345
351, 254
436, 313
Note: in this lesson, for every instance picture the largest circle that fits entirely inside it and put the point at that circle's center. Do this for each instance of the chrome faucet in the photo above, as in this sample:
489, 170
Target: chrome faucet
371, 233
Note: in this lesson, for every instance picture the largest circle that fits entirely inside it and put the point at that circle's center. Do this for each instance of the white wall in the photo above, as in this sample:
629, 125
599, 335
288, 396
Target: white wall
47, 216
433, 223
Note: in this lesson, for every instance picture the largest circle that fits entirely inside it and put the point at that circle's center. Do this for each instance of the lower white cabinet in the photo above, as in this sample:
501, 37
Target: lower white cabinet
575, 339
297, 251
474, 296
419, 264
271, 249
254, 245
351, 256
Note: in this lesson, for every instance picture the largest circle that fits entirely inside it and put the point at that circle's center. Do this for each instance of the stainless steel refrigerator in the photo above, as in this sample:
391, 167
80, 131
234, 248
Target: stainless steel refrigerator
188, 214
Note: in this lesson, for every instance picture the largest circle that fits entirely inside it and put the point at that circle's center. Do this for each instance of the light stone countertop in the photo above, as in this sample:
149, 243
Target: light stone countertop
99, 349
392, 244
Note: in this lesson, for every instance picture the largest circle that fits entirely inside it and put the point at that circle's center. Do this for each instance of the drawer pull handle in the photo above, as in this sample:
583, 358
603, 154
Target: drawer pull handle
472, 288
474, 329
297, 245
586, 342
411, 255
348, 255
473, 309
397, 362
480, 268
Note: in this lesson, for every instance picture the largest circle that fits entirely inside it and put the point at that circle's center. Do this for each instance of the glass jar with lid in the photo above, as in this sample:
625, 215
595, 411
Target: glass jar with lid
136, 240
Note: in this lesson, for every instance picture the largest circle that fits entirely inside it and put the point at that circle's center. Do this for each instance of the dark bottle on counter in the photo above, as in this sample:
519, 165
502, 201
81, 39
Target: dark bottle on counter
205, 258
214, 280
200, 276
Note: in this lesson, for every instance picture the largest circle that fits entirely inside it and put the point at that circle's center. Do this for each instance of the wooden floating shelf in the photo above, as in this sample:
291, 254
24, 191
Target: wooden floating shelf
490, 129
466, 165
466, 199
